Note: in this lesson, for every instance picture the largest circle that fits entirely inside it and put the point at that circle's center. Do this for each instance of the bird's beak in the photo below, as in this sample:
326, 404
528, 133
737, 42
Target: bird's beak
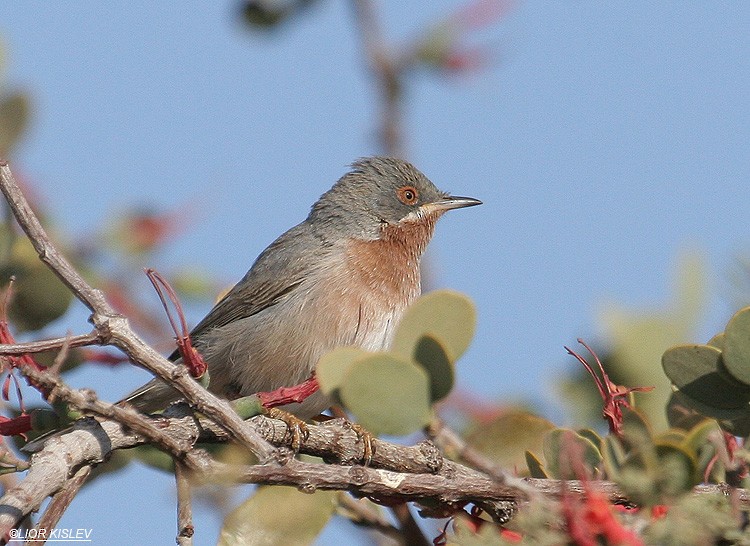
451, 202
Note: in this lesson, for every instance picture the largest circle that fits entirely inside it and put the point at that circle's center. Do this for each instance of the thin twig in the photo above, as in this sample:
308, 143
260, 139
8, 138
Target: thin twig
388, 74
185, 529
61, 500
363, 512
412, 534
44, 345
448, 440
87, 402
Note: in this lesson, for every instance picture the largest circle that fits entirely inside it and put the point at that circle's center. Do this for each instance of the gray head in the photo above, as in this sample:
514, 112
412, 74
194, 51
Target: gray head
379, 192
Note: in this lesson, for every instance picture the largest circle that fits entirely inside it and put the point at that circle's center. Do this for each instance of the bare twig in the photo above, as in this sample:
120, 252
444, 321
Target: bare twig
62, 499
388, 74
185, 529
81, 340
410, 530
87, 402
448, 440
363, 512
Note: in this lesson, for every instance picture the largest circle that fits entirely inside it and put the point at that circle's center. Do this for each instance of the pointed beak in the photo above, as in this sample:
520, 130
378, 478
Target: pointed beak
451, 202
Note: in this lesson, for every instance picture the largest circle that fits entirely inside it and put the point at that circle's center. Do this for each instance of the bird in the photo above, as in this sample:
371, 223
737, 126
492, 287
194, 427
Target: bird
342, 277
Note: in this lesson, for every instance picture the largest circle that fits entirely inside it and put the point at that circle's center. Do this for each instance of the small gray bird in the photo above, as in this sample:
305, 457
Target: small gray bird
344, 276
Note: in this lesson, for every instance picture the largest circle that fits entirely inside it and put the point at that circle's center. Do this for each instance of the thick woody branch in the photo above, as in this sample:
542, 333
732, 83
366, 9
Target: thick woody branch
441, 482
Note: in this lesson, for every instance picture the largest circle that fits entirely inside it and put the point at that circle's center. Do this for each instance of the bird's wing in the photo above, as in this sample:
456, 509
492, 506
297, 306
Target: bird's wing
280, 270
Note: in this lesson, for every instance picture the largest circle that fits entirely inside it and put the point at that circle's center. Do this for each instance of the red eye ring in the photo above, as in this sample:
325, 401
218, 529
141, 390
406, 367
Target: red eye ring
408, 195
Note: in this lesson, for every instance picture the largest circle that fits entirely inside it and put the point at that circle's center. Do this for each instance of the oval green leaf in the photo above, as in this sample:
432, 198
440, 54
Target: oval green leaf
736, 351
677, 469
430, 354
696, 371
446, 315
564, 447
387, 395
333, 366
278, 515
504, 439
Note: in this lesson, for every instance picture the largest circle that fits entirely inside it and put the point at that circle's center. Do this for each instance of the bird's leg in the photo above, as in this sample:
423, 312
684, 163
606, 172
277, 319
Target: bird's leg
363, 435
287, 395
296, 427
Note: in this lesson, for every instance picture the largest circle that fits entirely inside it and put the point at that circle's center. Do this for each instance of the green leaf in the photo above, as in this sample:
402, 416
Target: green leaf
613, 456
635, 427
695, 371
591, 435
14, 117
698, 436
334, 365
698, 442
39, 297
736, 353
445, 315
505, 438
671, 436
717, 341
278, 515
431, 355
387, 395
677, 469
536, 468
736, 421
563, 448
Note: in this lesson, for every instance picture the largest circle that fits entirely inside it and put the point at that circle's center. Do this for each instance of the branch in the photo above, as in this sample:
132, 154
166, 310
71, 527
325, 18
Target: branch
81, 340
62, 499
365, 513
388, 73
185, 529
114, 329
435, 480
91, 298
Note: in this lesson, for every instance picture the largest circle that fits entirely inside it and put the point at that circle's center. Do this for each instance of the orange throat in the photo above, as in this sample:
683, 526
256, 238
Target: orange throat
390, 265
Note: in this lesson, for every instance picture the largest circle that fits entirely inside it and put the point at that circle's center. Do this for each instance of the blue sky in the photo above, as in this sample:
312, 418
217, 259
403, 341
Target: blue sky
606, 140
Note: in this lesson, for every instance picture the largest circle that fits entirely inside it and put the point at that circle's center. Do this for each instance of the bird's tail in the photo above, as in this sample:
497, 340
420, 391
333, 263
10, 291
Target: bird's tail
152, 397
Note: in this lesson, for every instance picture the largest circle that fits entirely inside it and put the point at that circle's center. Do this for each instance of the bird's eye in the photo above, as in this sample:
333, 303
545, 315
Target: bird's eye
408, 195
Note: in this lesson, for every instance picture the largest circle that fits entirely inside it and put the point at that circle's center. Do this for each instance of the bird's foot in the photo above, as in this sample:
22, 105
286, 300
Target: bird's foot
365, 436
296, 427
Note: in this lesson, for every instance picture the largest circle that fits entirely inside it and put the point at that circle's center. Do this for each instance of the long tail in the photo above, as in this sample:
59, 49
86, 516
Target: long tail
152, 397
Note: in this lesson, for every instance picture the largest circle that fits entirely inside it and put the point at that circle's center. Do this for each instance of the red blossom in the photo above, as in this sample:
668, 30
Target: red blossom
659, 511
594, 518
146, 230
615, 397
15, 426
511, 536
190, 356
